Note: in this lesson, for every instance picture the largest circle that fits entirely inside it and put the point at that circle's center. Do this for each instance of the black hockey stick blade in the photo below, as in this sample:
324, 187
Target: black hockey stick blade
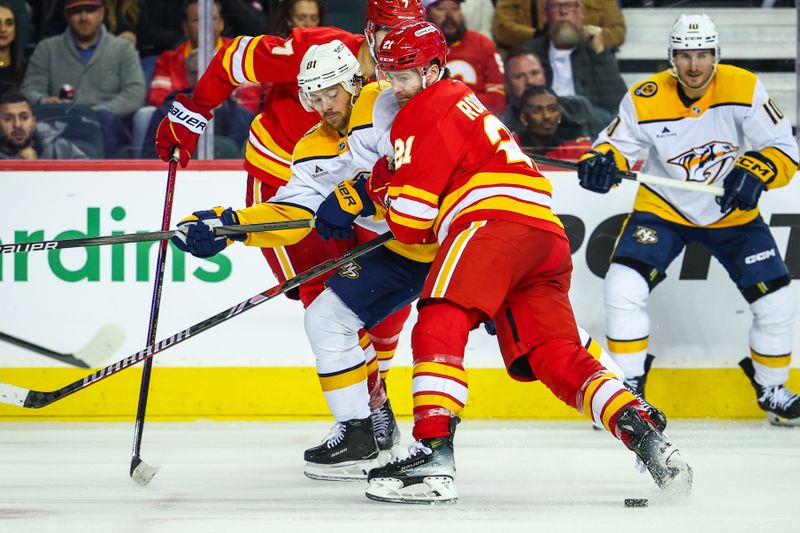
105, 342
22, 397
237, 229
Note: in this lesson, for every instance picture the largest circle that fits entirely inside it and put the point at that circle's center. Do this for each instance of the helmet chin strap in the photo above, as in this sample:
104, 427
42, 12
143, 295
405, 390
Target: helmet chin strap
674, 72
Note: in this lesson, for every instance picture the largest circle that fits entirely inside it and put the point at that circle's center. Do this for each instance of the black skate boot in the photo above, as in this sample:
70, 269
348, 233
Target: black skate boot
384, 425
781, 405
656, 451
425, 476
636, 386
636, 383
347, 453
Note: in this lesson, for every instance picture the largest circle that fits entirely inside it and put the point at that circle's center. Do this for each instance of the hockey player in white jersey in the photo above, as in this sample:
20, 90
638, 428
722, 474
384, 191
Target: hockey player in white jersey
709, 123
358, 296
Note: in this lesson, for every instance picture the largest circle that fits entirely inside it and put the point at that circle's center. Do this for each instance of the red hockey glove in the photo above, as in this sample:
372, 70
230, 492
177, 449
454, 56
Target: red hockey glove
182, 127
378, 182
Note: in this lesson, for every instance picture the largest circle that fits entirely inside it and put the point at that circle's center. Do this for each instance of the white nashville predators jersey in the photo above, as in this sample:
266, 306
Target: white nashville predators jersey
322, 159
699, 143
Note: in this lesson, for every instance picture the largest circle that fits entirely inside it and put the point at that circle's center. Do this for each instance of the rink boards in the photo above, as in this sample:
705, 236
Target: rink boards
258, 364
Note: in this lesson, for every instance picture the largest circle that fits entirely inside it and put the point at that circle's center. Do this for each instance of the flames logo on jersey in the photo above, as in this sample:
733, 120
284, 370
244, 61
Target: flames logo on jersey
350, 270
707, 163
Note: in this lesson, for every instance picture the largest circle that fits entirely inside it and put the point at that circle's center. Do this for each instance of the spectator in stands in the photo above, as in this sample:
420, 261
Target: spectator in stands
170, 71
479, 14
574, 65
12, 65
171, 75
103, 71
231, 120
471, 57
298, 14
121, 19
24, 138
548, 130
519, 21
523, 70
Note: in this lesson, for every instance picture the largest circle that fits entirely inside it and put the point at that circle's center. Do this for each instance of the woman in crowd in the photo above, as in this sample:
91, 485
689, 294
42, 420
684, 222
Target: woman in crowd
298, 14
12, 67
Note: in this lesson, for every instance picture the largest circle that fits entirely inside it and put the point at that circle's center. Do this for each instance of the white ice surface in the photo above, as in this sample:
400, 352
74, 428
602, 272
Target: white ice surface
532, 477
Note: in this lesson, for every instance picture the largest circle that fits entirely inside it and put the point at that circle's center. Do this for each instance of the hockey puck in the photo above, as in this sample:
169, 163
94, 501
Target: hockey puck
635, 502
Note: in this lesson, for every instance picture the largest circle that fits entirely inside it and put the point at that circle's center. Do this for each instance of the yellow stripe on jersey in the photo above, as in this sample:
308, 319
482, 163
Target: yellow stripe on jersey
594, 348
441, 370
537, 184
249, 59
266, 139
423, 253
361, 115
772, 361
613, 407
449, 264
437, 400
410, 222
321, 141
731, 85
269, 212
650, 202
502, 203
586, 408
266, 164
787, 168
226, 59
286, 263
415, 193
632, 346
346, 378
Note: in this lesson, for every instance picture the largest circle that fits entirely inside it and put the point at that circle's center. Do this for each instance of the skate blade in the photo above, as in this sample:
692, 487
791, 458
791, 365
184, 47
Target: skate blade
679, 486
347, 471
432, 490
776, 420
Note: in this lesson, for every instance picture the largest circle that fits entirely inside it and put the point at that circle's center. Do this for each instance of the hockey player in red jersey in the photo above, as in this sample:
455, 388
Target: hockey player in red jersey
462, 181
274, 133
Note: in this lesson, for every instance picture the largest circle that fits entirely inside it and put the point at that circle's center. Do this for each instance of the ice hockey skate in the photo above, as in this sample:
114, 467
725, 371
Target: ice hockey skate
347, 453
424, 477
781, 405
661, 457
384, 426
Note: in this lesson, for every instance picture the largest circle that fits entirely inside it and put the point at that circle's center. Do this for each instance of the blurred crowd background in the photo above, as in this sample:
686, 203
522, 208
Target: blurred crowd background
92, 78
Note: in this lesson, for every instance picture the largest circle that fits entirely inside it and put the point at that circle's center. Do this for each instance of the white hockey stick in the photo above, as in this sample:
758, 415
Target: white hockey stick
638, 176
105, 343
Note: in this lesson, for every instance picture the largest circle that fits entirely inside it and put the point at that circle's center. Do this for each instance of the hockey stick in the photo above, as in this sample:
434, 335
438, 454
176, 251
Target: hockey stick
150, 236
140, 471
105, 342
638, 176
22, 397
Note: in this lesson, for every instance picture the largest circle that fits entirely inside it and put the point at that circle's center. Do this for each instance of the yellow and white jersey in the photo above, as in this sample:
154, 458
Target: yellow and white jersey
321, 160
698, 143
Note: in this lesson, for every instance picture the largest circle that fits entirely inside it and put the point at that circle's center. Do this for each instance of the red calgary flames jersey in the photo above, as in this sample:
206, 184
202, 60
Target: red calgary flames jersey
475, 61
269, 59
456, 163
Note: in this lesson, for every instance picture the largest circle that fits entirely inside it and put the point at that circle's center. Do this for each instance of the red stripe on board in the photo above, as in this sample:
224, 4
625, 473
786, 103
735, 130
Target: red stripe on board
116, 165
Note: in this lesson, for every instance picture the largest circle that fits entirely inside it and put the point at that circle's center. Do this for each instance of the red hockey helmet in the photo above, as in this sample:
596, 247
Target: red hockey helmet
390, 13
412, 45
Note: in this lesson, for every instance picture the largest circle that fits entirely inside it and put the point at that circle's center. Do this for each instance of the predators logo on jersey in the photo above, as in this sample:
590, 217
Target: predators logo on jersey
350, 270
707, 163
645, 235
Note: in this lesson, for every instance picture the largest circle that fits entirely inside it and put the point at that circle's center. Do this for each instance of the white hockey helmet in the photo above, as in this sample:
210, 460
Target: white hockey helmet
693, 32
326, 65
